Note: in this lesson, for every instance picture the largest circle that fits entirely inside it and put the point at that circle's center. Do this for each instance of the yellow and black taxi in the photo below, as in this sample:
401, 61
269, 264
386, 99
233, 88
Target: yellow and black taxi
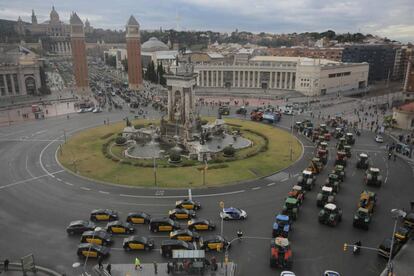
138, 243
91, 250
138, 218
409, 220
201, 224
80, 226
167, 247
188, 204
213, 242
163, 225
104, 215
96, 237
181, 213
184, 235
403, 234
119, 227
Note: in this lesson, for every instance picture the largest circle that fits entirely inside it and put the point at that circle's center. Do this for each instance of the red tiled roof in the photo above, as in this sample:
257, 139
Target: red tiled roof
409, 107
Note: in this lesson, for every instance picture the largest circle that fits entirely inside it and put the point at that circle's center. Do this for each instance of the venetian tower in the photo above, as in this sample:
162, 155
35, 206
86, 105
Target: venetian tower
133, 54
80, 65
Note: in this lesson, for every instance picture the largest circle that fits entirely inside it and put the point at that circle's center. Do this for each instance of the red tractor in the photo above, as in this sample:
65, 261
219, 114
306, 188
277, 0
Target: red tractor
340, 158
322, 155
256, 115
280, 253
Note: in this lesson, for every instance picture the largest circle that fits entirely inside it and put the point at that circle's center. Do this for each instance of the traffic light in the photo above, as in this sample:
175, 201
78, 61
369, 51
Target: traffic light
345, 246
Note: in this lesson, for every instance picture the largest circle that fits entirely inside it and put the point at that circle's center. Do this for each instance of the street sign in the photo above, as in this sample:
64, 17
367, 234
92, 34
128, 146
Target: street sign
222, 204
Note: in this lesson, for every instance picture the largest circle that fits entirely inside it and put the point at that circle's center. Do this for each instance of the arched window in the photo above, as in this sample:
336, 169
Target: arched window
30, 85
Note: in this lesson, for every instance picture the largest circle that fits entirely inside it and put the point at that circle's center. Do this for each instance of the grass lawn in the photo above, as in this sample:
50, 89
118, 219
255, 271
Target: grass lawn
82, 154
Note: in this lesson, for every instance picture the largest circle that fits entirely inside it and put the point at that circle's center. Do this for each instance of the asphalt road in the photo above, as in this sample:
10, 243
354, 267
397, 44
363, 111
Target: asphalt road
38, 199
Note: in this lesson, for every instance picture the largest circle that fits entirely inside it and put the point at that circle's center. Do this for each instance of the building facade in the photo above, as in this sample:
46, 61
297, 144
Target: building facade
381, 59
404, 116
134, 54
309, 52
19, 73
408, 89
311, 77
80, 65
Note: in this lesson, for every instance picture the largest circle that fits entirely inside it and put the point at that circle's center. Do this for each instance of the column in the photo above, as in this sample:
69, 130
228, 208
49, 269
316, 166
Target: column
248, 79
258, 79
242, 78
286, 79
279, 79
201, 78
5, 84
270, 79
238, 78
12, 82
69, 47
222, 78
234, 79
291, 81
217, 78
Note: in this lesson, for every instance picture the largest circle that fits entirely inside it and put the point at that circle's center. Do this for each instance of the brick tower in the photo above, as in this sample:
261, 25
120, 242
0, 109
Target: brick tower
80, 65
134, 54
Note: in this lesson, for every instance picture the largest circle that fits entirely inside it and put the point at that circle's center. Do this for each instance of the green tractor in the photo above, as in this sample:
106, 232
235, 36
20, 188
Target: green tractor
330, 215
363, 161
333, 181
362, 218
291, 208
325, 196
339, 170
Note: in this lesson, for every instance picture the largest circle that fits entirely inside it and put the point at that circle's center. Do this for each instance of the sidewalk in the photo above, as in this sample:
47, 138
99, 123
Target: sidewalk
148, 270
403, 262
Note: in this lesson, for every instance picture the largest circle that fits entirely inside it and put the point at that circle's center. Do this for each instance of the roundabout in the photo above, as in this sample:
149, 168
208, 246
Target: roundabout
94, 154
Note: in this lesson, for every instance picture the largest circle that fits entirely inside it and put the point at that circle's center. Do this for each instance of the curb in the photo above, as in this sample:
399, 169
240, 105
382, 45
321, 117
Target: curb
18, 267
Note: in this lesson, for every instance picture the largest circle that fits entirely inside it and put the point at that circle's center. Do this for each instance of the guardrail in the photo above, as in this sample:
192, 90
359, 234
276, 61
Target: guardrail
18, 267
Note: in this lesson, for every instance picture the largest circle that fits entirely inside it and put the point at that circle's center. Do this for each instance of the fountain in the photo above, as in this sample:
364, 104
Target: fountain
182, 132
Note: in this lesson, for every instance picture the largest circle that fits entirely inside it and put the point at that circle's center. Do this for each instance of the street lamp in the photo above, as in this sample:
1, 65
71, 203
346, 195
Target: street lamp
396, 213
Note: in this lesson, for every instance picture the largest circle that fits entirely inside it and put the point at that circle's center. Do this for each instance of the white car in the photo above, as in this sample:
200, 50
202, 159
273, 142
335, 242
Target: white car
233, 213
97, 110
331, 273
287, 273
379, 139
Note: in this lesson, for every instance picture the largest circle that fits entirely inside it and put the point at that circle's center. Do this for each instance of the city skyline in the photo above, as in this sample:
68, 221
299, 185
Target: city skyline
385, 19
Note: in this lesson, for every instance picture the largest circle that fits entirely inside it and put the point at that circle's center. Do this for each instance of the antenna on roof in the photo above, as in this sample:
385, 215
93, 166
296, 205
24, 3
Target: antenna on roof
177, 20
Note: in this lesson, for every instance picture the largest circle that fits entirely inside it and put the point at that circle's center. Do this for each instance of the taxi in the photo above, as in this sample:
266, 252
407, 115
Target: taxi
213, 242
119, 227
163, 225
138, 218
80, 226
200, 224
91, 250
188, 204
96, 237
104, 215
179, 213
138, 243
184, 235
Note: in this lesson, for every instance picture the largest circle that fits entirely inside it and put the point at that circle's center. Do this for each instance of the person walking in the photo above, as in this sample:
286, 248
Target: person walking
137, 264
155, 267
100, 259
108, 268
6, 264
239, 234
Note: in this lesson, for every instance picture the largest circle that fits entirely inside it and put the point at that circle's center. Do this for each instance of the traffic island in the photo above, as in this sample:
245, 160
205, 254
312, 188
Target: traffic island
94, 154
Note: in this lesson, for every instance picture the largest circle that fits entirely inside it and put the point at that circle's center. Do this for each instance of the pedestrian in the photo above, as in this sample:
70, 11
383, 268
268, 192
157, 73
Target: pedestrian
155, 267
6, 264
168, 268
100, 259
395, 157
108, 268
239, 234
137, 263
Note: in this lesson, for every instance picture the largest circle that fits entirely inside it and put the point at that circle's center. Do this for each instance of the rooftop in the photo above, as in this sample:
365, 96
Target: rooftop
409, 107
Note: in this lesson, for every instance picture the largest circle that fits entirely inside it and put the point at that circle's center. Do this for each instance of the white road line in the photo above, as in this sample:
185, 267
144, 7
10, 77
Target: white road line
284, 179
67, 183
190, 196
84, 188
141, 204
256, 188
58, 179
103, 192
296, 174
29, 179
28, 140
271, 184
183, 196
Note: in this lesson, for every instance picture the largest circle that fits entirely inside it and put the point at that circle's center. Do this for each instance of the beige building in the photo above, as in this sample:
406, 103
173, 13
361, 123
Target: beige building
19, 72
404, 116
309, 76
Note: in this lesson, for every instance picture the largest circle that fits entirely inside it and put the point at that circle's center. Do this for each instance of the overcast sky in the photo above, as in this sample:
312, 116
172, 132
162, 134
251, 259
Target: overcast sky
391, 18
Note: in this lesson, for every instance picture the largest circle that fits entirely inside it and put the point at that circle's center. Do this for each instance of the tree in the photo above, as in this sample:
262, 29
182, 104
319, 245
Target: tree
150, 74
160, 74
125, 64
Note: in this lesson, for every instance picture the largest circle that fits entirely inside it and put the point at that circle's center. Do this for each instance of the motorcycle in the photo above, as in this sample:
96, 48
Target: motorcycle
357, 248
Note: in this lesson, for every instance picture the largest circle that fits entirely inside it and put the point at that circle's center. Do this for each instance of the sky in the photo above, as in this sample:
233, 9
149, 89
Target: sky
388, 18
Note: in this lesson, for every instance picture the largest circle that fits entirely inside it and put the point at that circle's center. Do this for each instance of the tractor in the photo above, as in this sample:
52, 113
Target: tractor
322, 155
339, 170
373, 177
330, 215
340, 158
347, 150
282, 226
367, 200
325, 196
315, 166
256, 114
298, 193
280, 253
363, 162
306, 180
350, 140
291, 208
333, 181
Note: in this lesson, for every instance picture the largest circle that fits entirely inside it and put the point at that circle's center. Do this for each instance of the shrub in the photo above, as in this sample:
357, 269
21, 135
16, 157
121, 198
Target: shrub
120, 140
229, 151
175, 157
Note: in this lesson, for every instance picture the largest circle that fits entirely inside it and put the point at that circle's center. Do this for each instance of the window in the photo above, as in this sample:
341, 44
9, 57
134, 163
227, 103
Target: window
9, 84
331, 75
16, 84
2, 86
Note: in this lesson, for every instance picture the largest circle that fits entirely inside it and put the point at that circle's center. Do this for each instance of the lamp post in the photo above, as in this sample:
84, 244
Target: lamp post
396, 213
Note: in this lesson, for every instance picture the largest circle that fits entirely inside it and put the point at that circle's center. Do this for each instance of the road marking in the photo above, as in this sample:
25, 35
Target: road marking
28, 140
141, 204
271, 184
296, 174
84, 188
256, 188
104, 192
190, 196
183, 196
28, 180
58, 179
67, 183
284, 179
